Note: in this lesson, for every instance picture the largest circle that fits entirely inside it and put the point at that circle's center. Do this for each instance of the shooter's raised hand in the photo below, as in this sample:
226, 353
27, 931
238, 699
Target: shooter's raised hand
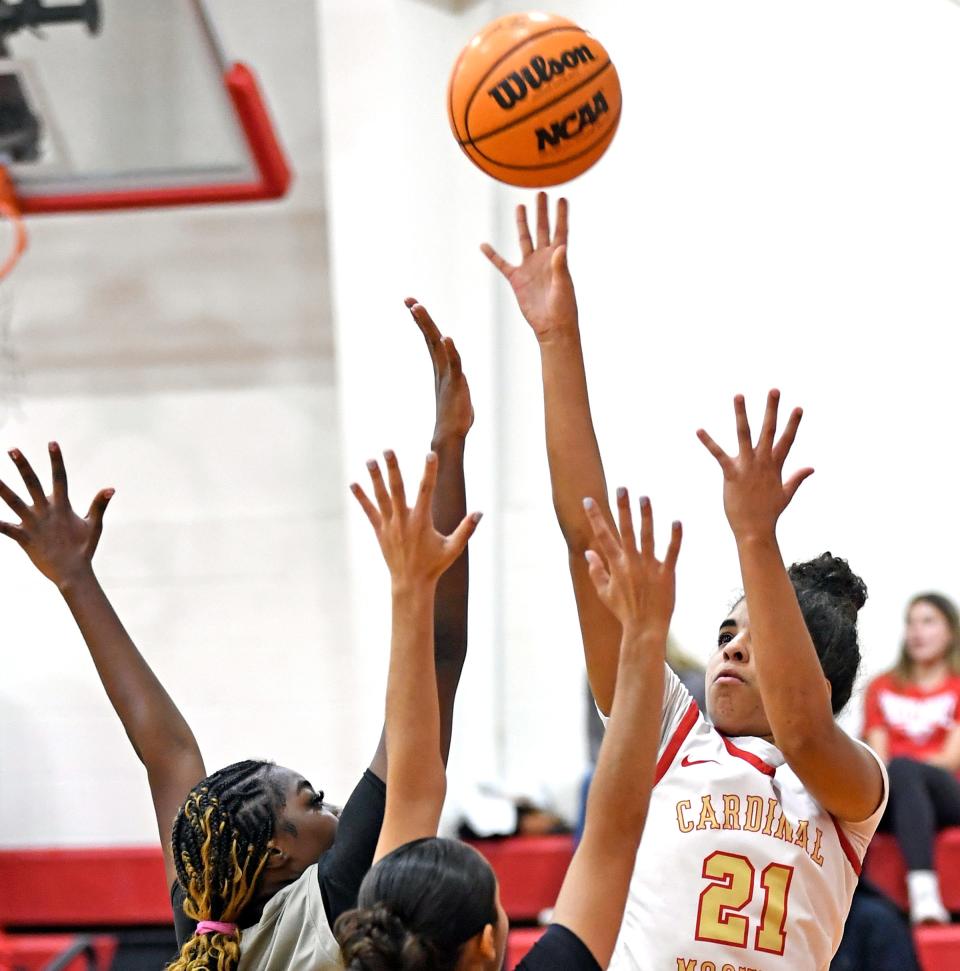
60, 543
754, 493
541, 283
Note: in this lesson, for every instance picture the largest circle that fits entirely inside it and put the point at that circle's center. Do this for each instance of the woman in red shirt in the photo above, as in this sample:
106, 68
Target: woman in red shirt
913, 723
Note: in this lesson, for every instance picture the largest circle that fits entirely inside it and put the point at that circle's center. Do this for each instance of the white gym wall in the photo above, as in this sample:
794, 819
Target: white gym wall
779, 207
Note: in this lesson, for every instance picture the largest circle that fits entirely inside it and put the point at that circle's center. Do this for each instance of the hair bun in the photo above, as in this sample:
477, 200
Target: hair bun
376, 939
831, 575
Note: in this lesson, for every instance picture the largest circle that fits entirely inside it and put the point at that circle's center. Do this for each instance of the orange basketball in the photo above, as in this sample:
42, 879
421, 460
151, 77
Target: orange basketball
533, 99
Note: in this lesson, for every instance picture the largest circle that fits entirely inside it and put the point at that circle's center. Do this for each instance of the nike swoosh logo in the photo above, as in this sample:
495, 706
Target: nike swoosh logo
687, 761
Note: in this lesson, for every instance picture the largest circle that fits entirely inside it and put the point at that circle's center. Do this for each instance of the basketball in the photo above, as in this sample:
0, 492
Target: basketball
534, 100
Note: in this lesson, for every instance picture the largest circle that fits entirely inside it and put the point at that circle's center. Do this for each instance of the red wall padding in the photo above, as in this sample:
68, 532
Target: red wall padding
79, 887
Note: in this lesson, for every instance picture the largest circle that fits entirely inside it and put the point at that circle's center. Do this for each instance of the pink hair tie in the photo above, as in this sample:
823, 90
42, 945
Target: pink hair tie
215, 927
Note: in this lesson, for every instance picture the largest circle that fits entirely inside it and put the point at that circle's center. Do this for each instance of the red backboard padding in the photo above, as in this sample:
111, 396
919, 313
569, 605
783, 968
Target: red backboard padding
884, 866
82, 887
530, 870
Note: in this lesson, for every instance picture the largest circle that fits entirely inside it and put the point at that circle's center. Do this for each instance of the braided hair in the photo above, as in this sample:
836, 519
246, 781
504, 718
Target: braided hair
220, 843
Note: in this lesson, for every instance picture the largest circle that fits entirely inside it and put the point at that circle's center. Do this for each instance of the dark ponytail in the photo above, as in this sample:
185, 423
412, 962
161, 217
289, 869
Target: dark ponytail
417, 908
830, 596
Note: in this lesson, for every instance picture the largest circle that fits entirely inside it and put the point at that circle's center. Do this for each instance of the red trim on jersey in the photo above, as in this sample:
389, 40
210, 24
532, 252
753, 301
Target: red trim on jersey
754, 760
848, 851
673, 746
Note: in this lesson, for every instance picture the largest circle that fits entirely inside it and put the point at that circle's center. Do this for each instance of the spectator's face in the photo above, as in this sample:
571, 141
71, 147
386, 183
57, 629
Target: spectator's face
927, 635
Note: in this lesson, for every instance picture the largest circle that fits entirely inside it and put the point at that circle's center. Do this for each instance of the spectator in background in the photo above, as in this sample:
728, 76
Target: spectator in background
912, 722
876, 936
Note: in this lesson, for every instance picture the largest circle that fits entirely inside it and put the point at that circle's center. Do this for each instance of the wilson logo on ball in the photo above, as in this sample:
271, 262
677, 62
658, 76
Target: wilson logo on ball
533, 99
541, 70
573, 124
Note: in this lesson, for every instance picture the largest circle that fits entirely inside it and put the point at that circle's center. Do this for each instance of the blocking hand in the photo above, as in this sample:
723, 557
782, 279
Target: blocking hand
454, 407
637, 588
414, 551
60, 543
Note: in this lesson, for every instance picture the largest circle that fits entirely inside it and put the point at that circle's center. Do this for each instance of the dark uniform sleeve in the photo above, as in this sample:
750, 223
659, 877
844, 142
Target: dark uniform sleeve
182, 924
342, 868
559, 950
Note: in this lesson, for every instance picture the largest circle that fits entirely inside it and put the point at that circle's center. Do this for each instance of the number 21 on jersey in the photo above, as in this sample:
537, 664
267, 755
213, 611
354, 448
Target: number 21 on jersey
734, 876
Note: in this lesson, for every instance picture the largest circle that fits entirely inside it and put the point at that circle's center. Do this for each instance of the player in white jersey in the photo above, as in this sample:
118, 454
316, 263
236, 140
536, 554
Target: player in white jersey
761, 814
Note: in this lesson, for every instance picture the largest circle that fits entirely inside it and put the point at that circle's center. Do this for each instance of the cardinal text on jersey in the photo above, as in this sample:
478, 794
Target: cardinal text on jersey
750, 814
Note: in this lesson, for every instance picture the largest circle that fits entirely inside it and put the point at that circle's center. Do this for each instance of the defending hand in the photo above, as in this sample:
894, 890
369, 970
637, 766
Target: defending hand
635, 586
60, 543
414, 551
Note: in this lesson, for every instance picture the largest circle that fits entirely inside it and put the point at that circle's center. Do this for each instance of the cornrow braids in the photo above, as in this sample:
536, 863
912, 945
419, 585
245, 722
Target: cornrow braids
220, 847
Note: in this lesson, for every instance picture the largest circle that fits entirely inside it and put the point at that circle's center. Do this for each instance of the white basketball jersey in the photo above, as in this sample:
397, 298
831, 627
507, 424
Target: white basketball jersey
739, 868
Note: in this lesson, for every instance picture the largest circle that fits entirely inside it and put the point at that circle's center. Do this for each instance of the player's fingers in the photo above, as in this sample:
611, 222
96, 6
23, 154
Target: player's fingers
453, 356
98, 506
743, 425
558, 262
606, 541
769, 428
398, 494
59, 471
497, 260
14, 532
430, 331
427, 485
543, 220
673, 550
793, 483
371, 511
29, 477
625, 519
782, 449
523, 232
713, 448
95, 517
646, 526
15, 503
596, 569
379, 489
458, 539
561, 229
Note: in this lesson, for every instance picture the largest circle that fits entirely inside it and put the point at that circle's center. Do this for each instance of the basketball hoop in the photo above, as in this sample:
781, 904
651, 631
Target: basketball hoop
10, 210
